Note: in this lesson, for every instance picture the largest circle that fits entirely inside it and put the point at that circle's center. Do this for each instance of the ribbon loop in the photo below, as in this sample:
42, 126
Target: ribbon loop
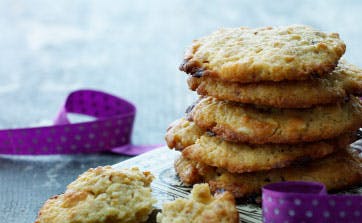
295, 187
111, 131
98, 104
308, 202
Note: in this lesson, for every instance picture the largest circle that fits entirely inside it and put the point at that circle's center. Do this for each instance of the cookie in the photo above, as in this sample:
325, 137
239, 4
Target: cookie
200, 207
182, 133
246, 55
240, 158
332, 88
337, 171
102, 194
259, 125
188, 172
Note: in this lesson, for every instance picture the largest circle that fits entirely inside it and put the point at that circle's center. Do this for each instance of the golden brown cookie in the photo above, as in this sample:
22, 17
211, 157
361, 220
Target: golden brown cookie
102, 194
182, 133
240, 158
337, 171
259, 125
200, 207
294, 52
332, 88
187, 171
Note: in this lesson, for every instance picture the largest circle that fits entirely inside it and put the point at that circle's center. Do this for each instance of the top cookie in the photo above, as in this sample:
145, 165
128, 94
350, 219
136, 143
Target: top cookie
264, 54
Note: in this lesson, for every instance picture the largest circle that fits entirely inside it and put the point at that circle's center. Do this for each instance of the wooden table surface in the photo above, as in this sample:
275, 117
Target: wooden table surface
128, 48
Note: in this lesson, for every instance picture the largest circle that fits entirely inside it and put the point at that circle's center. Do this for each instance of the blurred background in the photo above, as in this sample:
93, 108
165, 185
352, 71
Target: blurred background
128, 48
131, 49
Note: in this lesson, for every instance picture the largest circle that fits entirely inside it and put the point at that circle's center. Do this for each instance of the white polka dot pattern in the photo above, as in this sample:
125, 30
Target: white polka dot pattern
111, 131
308, 202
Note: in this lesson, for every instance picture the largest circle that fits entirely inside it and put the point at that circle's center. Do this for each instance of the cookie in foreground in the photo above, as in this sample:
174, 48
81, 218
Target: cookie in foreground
334, 87
294, 52
337, 171
200, 207
100, 195
259, 125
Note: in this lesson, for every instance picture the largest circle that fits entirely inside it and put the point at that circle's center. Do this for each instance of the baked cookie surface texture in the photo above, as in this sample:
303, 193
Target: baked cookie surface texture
334, 87
102, 195
294, 52
201, 207
337, 171
258, 125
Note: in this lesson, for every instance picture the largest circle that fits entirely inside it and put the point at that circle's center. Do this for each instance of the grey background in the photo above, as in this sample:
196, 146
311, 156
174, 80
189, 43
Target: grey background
129, 48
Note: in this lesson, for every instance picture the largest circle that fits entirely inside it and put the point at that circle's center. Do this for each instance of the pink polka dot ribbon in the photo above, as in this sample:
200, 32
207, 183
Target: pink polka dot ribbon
110, 131
289, 202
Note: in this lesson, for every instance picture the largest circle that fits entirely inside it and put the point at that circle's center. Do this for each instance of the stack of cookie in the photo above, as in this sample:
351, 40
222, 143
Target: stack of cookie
277, 104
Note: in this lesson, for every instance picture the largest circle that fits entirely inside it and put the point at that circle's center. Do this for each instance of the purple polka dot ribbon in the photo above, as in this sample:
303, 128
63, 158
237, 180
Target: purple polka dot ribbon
288, 202
110, 131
